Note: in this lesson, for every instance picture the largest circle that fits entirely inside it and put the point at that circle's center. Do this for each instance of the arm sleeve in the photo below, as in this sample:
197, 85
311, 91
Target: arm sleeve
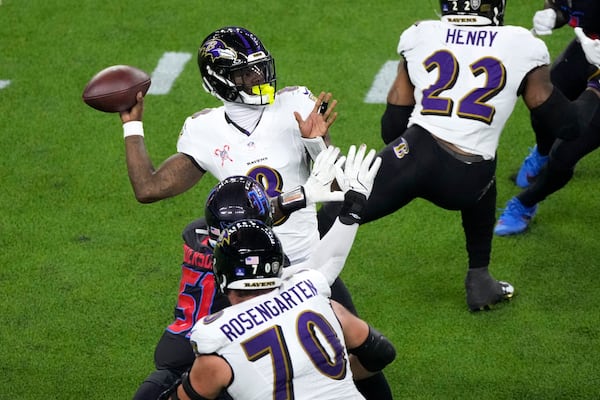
394, 121
330, 255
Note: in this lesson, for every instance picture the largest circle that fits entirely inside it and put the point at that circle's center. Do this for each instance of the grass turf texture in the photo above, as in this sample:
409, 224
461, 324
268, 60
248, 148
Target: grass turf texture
89, 277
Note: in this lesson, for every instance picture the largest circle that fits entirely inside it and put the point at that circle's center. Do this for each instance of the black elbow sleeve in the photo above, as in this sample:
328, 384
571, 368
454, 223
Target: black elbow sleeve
394, 121
376, 352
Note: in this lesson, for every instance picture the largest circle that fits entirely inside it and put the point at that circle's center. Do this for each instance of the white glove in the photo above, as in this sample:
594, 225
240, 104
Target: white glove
358, 173
591, 47
317, 188
544, 21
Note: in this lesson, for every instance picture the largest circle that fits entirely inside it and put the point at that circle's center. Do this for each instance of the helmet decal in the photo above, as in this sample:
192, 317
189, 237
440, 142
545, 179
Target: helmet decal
473, 12
257, 200
224, 237
217, 49
275, 267
252, 260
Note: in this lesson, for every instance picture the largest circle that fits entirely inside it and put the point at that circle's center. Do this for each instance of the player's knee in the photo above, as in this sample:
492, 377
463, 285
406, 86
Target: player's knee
376, 352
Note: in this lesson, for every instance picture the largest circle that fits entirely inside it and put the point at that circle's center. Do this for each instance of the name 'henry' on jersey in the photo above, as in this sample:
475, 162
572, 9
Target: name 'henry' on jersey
467, 79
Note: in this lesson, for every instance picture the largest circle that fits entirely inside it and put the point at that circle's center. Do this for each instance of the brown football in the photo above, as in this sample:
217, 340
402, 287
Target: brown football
114, 88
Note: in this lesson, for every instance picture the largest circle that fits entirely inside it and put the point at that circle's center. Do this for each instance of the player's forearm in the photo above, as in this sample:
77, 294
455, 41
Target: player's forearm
176, 175
139, 168
330, 254
334, 248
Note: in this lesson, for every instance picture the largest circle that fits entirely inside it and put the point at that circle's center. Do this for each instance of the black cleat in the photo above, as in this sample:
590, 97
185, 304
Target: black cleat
483, 291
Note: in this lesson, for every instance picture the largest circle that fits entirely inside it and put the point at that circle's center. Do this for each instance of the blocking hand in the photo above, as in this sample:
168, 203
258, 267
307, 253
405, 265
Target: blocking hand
359, 171
544, 21
317, 188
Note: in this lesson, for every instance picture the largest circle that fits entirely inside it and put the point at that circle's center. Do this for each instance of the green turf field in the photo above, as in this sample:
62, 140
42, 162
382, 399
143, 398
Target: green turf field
89, 277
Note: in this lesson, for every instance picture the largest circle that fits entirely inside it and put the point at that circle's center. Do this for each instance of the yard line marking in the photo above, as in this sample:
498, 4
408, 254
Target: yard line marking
168, 69
3, 83
381, 83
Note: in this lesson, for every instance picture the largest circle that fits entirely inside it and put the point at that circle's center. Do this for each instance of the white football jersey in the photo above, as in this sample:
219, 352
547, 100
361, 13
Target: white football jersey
467, 79
284, 344
273, 154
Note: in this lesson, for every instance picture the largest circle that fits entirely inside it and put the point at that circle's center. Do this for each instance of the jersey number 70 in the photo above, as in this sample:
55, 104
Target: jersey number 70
271, 342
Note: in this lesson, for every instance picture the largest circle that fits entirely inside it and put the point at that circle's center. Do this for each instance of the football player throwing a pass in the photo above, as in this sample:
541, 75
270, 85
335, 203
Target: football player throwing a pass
260, 132
257, 132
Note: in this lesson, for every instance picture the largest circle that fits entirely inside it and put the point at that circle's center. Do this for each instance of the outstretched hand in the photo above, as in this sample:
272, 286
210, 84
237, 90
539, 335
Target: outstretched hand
134, 113
359, 170
317, 188
320, 119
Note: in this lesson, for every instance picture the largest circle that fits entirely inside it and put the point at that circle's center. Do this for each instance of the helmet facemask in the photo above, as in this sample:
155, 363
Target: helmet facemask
255, 82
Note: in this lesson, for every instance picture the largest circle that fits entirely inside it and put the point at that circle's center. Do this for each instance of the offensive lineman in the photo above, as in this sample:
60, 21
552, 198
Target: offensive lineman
280, 339
241, 197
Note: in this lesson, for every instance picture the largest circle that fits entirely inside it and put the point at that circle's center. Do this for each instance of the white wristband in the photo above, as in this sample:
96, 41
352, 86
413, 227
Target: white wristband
133, 128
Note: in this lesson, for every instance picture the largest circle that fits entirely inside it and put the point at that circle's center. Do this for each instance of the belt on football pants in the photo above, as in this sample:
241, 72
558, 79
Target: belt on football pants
466, 158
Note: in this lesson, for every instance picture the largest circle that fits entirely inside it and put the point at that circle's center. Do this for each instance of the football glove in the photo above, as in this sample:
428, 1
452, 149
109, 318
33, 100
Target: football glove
544, 21
591, 47
359, 171
317, 188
